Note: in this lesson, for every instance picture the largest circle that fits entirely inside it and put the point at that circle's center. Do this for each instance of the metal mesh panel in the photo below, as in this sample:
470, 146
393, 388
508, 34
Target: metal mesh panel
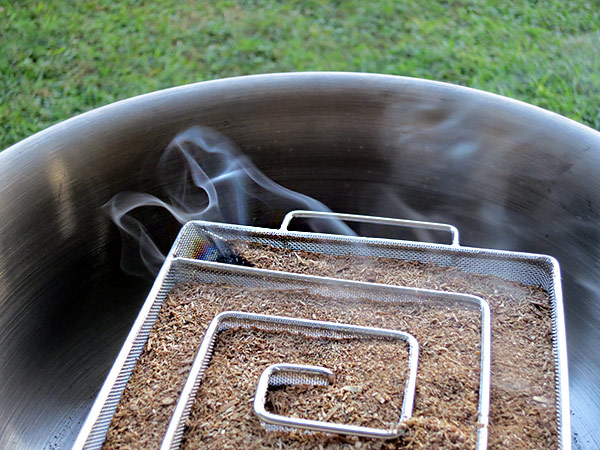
526, 268
291, 378
209, 242
181, 270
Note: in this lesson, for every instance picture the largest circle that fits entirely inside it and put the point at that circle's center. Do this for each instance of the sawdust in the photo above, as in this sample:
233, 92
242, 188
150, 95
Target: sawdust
523, 399
445, 412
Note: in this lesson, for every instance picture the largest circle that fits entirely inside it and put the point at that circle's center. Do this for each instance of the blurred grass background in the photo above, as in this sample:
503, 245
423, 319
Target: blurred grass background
61, 58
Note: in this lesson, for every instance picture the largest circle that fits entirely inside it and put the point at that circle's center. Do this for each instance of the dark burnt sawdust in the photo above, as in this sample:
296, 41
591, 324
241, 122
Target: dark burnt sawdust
445, 411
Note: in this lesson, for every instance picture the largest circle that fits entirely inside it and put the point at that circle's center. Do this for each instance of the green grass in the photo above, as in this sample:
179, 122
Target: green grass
58, 59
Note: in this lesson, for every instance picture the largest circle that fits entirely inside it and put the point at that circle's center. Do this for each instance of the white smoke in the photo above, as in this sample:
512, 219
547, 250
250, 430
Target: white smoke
205, 177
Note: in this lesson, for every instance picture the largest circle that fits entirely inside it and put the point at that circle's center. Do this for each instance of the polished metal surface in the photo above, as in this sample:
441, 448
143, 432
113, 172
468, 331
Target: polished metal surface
507, 174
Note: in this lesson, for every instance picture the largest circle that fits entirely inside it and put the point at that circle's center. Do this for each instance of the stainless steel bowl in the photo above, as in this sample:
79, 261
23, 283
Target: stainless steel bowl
509, 175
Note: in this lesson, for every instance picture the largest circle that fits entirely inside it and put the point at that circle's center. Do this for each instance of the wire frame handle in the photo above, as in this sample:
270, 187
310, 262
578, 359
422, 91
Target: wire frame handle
433, 226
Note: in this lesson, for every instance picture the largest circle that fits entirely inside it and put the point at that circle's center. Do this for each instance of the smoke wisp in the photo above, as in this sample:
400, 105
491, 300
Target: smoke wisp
205, 177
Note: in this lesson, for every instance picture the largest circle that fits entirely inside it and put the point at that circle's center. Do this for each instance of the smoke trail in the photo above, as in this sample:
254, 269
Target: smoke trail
205, 177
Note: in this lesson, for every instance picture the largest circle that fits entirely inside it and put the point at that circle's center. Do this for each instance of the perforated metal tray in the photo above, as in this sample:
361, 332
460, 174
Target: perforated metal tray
209, 241
290, 374
179, 270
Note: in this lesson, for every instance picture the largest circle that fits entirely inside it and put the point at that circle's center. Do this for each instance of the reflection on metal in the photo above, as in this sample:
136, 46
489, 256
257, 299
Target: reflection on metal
58, 181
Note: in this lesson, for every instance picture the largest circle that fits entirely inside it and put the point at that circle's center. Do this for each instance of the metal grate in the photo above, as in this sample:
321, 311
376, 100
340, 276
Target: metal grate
526, 268
208, 242
179, 270
289, 374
